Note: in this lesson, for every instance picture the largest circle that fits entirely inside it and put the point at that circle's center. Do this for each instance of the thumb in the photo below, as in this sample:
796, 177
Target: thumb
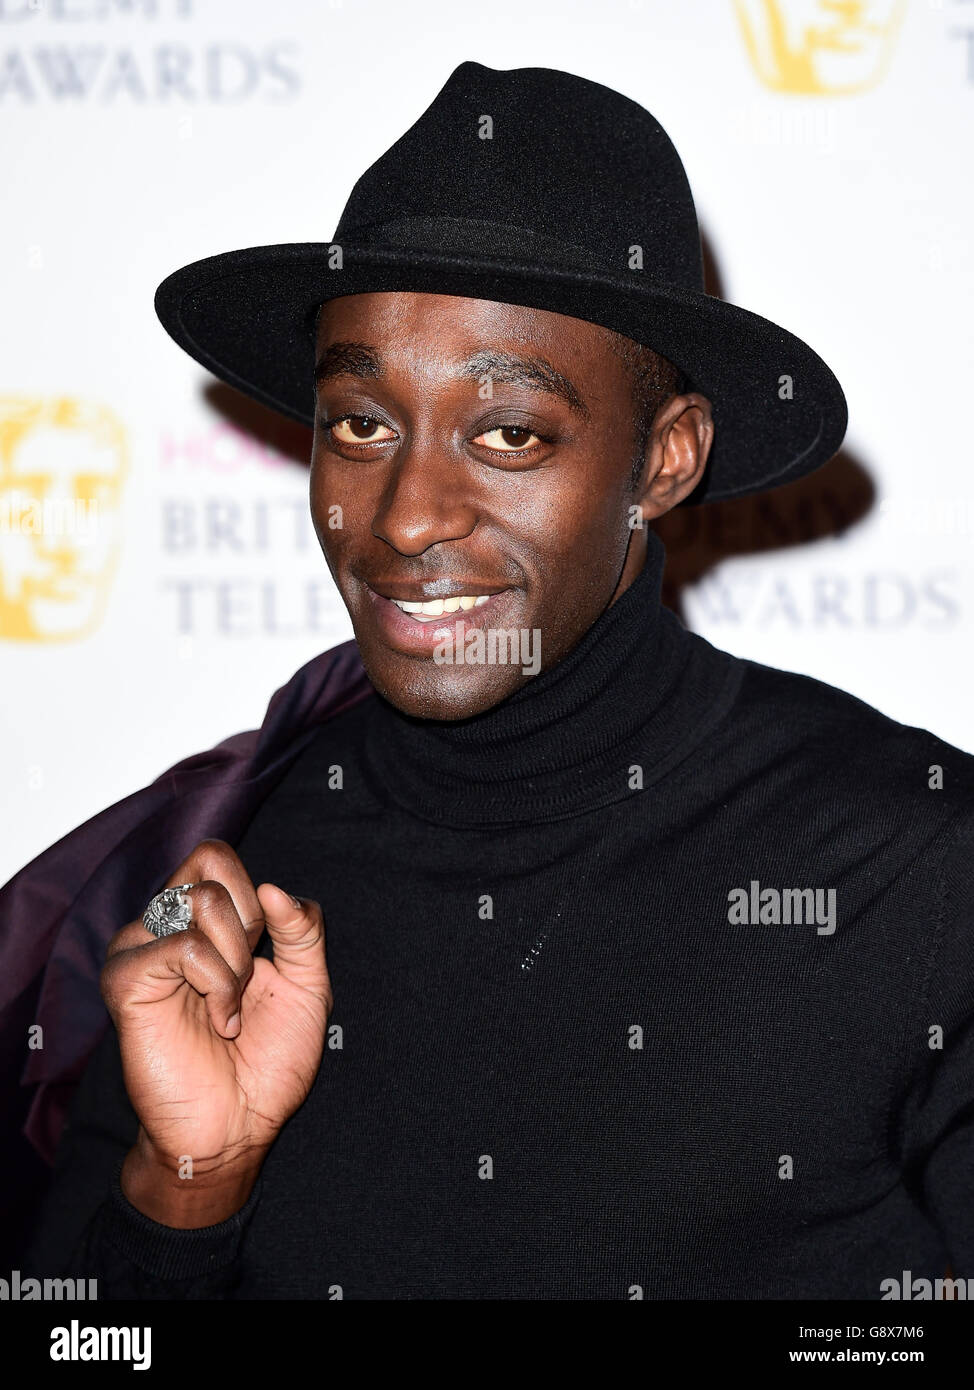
297, 932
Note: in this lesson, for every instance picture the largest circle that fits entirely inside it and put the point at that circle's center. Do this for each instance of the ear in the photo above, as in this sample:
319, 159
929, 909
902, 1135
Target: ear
677, 450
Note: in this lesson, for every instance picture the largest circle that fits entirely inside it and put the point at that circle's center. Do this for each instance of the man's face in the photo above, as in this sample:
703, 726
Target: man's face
475, 449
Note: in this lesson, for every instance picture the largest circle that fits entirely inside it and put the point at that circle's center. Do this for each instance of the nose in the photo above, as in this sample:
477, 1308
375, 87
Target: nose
427, 499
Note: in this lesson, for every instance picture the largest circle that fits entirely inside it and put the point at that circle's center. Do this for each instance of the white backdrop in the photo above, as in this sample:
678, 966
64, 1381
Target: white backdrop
830, 158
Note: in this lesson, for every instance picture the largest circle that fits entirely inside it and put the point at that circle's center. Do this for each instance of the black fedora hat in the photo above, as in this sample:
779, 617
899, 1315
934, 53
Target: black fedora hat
539, 188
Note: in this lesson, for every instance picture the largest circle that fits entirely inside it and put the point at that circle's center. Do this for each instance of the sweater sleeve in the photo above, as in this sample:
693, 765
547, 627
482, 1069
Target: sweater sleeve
89, 1230
132, 1256
937, 1135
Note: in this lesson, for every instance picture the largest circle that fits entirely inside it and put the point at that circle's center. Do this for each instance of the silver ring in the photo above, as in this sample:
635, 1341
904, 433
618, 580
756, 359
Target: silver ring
169, 911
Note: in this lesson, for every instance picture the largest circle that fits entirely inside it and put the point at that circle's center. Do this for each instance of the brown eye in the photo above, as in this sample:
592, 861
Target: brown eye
507, 438
360, 429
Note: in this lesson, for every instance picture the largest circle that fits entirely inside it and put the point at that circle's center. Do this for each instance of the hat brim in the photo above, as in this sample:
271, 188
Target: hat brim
779, 411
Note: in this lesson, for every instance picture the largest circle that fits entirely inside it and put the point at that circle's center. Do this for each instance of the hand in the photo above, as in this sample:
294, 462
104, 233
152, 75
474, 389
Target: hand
218, 1048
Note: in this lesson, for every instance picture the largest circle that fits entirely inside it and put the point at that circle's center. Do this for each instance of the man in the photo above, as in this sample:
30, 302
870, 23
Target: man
653, 975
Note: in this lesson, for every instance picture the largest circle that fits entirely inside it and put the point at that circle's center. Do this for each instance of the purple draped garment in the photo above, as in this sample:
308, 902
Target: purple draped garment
59, 912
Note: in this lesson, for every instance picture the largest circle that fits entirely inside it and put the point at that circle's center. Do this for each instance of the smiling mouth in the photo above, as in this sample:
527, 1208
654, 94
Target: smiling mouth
415, 627
431, 609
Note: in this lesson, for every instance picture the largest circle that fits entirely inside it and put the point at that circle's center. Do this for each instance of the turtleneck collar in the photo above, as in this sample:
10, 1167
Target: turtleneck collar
637, 689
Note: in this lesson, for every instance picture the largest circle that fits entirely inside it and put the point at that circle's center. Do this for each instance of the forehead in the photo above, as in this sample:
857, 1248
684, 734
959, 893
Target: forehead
441, 327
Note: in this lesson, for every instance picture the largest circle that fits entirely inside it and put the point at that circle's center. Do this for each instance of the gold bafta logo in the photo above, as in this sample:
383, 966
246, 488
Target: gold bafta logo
63, 464
820, 47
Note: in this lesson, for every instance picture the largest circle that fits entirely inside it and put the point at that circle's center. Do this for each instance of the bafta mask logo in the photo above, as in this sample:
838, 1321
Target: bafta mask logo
820, 47
62, 468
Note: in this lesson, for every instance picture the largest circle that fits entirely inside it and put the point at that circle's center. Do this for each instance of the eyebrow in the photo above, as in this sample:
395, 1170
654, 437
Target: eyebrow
361, 360
535, 372
347, 359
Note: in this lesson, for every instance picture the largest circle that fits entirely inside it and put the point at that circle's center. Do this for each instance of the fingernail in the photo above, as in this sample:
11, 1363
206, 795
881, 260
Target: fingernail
233, 1025
296, 901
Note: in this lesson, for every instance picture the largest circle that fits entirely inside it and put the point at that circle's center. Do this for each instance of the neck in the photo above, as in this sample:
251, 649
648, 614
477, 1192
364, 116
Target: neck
629, 695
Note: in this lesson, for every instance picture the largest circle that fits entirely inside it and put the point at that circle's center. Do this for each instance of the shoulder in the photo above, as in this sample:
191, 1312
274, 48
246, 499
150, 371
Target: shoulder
830, 749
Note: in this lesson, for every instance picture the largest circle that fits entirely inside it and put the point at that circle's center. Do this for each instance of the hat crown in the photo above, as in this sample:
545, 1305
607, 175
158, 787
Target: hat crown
532, 164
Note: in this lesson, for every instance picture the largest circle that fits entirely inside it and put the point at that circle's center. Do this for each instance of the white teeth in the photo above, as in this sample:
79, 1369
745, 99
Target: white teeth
435, 608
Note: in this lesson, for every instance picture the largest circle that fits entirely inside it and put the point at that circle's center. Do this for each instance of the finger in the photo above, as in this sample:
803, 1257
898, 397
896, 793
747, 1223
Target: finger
216, 916
130, 936
216, 860
297, 930
151, 973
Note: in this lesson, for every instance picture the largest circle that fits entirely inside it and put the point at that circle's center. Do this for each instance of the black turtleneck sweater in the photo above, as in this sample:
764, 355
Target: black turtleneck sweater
572, 1063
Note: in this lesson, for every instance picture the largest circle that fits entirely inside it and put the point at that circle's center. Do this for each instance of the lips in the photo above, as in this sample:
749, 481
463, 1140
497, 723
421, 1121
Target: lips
417, 593
413, 637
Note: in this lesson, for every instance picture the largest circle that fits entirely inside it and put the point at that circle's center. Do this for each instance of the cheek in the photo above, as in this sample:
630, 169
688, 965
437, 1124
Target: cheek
578, 493
337, 504
581, 510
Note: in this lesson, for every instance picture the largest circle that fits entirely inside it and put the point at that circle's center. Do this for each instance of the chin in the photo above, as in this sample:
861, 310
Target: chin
439, 694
